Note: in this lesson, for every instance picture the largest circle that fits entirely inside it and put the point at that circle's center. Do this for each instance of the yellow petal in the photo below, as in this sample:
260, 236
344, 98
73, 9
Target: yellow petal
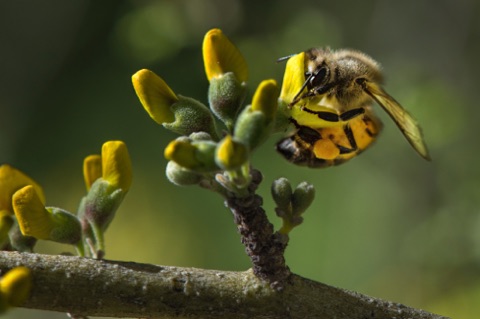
231, 154
265, 98
116, 164
194, 155
15, 286
155, 95
92, 169
221, 56
34, 220
182, 153
12, 180
293, 78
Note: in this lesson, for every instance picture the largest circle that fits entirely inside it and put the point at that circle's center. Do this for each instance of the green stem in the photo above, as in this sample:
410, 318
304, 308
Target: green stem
80, 248
99, 240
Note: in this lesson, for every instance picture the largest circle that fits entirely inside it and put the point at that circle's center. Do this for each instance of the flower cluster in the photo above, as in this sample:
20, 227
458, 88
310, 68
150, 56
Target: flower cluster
24, 218
201, 155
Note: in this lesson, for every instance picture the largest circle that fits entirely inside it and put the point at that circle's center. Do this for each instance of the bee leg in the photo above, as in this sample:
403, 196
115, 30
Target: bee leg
319, 90
351, 139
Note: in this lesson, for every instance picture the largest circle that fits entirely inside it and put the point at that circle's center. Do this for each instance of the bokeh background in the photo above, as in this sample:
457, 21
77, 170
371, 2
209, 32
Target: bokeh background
387, 224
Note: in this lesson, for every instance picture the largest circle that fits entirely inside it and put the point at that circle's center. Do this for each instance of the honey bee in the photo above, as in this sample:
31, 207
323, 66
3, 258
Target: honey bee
332, 109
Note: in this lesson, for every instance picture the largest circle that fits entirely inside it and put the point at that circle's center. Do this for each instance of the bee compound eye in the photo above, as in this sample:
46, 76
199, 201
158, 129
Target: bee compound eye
319, 77
361, 81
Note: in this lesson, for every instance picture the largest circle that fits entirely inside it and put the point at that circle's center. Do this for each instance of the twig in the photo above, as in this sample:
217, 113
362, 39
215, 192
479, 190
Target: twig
264, 247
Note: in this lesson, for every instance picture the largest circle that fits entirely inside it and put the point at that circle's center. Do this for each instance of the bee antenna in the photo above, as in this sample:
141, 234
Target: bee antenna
285, 57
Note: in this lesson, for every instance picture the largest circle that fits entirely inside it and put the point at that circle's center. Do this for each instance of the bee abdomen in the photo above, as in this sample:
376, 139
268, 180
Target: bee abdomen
290, 149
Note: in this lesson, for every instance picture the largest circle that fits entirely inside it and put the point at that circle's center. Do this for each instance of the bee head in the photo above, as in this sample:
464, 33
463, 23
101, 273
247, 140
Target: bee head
339, 74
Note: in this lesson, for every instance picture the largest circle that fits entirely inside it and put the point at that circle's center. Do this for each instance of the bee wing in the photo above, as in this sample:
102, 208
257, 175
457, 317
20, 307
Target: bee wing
400, 116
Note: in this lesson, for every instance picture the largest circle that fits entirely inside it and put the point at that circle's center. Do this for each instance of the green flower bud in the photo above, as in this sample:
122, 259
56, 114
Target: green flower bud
191, 116
302, 197
100, 204
69, 230
251, 128
200, 136
194, 155
282, 193
255, 122
226, 96
181, 176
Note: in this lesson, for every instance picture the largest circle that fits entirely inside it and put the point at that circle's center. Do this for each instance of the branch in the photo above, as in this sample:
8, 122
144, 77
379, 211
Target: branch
126, 289
264, 247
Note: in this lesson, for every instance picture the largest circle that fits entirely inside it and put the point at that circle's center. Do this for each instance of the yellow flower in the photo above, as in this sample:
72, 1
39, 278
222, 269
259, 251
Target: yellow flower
231, 154
155, 95
37, 221
265, 99
194, 155
116, 165
293, 78
221, 56
33, 219
11, 180
15, 286
182, 152
92, 169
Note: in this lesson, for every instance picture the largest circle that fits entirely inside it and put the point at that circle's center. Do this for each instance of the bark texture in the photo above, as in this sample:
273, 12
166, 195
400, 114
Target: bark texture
126, 289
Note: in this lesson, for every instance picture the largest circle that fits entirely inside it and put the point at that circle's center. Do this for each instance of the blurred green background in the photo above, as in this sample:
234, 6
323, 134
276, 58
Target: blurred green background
387, 224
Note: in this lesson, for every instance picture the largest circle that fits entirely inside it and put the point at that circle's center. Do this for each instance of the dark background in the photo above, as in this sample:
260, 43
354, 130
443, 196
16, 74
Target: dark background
387, 224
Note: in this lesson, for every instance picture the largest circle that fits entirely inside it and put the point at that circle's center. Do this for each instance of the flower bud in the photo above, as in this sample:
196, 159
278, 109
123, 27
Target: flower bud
155, 95
191, 116
225, 97
181, 176
198, 156
116, 165
44, 223
15, 286
251, 128
12, 180
302, 197
255, 122
220, 56
230, 154
92, 169
282, 193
